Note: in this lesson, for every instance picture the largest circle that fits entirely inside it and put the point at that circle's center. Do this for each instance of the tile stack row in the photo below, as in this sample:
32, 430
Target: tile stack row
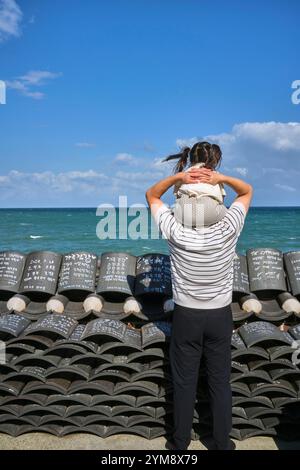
82, 285
87, 338
105, 377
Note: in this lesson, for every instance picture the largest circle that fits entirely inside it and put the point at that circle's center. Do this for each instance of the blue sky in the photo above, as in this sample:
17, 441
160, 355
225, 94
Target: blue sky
99, 91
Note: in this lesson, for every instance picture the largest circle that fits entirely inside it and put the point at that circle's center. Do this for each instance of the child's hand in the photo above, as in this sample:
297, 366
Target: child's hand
195, 175
216, 178
212, 178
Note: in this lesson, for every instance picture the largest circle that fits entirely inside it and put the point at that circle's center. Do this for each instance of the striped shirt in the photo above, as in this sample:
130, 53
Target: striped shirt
202, 258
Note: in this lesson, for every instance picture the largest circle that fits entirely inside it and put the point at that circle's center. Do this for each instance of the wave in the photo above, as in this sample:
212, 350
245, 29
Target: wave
24, 223
36, 236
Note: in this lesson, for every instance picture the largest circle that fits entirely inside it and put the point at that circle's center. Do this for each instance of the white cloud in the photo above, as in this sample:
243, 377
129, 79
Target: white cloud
127, 159
34, 78
158, 163
137, 176
275, 135
38, 77
273, 170
267, 154
241, 170
285, 187
280, 136
4, 179
21, 182
124, 157
84, 144
187, 142
274, 173
80, 186
10, 19
24, 90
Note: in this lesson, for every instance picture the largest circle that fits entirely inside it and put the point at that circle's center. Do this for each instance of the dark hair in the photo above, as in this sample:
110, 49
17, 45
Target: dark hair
201, 152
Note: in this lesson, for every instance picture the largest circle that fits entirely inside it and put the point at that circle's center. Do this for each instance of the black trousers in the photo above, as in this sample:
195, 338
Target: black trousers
197, 333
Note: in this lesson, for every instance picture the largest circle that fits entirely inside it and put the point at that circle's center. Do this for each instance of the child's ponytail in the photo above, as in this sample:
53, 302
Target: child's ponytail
201, 152
183, 159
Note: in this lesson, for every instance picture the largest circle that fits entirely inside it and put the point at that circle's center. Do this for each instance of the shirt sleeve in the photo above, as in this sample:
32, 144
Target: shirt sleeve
165, 221
235, 217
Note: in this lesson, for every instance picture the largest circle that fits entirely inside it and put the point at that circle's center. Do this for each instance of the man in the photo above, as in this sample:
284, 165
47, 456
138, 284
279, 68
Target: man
202, 276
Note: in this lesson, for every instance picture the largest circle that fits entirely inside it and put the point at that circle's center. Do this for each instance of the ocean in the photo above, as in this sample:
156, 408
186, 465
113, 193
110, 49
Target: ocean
74, 229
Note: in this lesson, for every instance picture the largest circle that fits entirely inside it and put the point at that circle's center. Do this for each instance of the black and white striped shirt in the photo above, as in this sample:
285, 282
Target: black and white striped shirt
202, 258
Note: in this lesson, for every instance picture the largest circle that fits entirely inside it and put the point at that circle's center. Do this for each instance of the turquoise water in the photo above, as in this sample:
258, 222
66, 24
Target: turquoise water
71, 229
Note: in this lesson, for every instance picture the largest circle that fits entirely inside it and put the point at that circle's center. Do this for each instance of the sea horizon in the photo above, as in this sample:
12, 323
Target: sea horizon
67, 229
118, 207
